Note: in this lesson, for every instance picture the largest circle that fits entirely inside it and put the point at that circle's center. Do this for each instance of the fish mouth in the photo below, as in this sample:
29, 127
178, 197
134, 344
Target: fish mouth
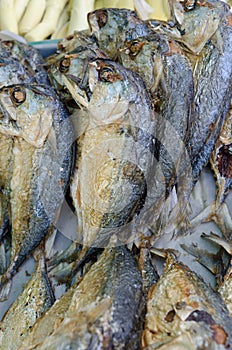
80, 93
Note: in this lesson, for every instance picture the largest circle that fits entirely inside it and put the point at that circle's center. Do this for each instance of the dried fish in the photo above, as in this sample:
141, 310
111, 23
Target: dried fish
209, 51
192, 26
168, 76
73, 63
49, 321
185, 313
115, 163
106, 308
36, 298
42, 162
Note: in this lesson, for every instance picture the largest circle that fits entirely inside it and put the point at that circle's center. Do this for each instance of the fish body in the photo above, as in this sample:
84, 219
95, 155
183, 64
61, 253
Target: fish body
112, 27
211, 104
185, 313
106, 308
168, 76
115, 159
36, 298
42, 162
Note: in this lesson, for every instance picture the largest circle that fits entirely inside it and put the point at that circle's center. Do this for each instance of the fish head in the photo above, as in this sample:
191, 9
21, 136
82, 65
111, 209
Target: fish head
27, 112
193, 23
72, 64
110, 92
79, 38
112, 27
143, 55
67, 63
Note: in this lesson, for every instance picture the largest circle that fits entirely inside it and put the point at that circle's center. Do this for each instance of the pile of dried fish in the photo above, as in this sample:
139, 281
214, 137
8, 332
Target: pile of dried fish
119, 124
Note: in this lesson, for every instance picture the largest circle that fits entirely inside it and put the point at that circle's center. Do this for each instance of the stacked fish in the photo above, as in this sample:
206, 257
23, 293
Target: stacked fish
120, 122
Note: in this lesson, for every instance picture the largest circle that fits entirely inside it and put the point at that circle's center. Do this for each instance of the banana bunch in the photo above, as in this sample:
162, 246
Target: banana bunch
54, 19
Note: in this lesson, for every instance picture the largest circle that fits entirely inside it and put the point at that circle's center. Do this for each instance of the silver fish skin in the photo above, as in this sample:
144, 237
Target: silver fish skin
112, 27
185, 313
41, 166
106, 308
118, 146
36, 298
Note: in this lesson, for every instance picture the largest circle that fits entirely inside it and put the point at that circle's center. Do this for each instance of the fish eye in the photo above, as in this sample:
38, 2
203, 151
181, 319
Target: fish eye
64, 65
8, 44
135, 48
189, 5
102, 18
109, 74
18, 95
106, 74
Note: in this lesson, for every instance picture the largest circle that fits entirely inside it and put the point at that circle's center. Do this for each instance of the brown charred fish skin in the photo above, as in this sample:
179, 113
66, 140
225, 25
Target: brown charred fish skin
182, 311
106, 308
41, 167
36, 298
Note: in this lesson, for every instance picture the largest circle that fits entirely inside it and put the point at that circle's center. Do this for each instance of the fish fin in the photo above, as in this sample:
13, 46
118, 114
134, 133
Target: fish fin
5, 288
165, 253
221, 241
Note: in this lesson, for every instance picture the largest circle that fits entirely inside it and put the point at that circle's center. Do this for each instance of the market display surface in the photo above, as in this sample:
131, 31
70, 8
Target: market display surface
115, 178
